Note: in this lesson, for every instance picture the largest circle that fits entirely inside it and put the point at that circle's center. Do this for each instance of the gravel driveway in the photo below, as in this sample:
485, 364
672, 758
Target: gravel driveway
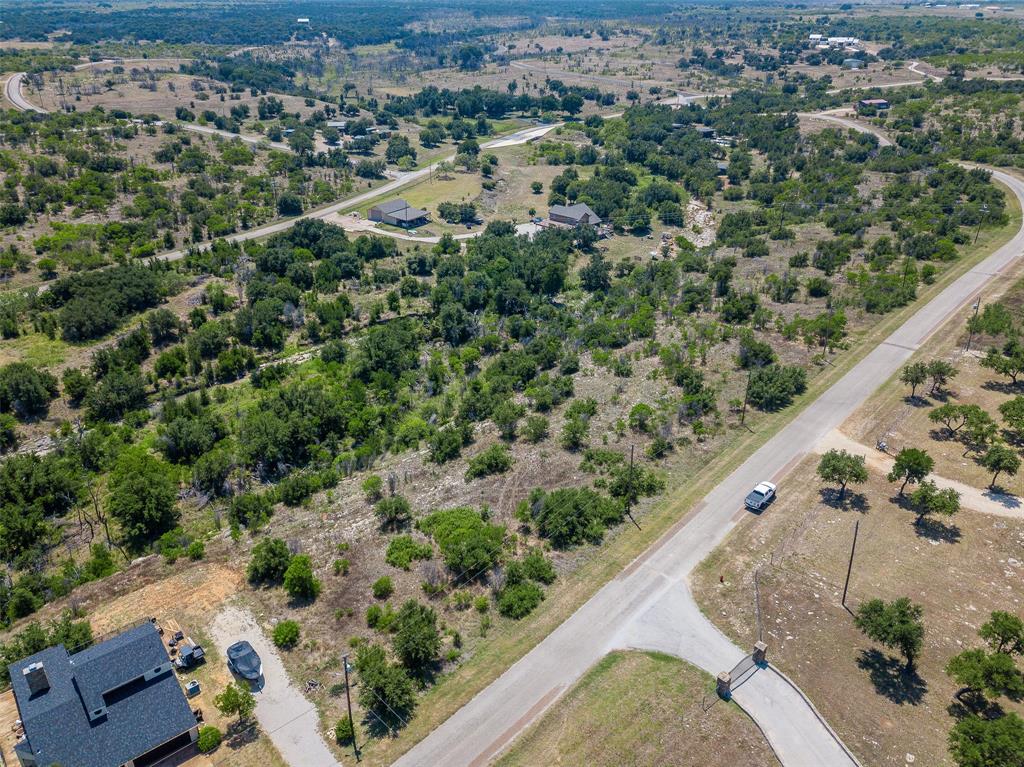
284, 713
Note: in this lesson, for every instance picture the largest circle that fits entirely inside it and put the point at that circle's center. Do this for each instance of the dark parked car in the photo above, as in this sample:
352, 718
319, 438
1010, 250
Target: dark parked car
760, 496
244, 661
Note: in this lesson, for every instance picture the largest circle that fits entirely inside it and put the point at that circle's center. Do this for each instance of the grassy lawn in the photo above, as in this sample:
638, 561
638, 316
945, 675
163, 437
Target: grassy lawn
636, 708
511, 643
36, 349
959, 574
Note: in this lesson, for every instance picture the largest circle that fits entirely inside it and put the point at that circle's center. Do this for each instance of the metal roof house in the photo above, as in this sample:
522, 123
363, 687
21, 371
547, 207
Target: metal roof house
115, 704
573, 215
397, 213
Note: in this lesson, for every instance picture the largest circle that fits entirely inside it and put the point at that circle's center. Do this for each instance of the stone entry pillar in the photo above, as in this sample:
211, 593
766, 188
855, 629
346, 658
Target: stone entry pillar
760, 651
724, 684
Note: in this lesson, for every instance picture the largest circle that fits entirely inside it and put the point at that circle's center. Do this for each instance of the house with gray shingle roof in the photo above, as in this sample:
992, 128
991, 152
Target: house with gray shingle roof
397, 213
115, 704
573, 215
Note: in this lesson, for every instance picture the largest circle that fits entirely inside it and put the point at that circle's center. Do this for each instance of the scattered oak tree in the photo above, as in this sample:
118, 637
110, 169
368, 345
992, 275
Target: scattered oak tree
895, 624
912, 465
841, 468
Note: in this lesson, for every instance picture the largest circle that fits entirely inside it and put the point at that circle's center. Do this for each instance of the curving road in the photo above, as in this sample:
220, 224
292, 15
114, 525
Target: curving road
649, 605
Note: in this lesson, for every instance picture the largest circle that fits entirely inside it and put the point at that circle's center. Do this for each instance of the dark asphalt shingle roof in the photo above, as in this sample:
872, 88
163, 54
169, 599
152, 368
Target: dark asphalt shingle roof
575, 212
106, 705
401, 210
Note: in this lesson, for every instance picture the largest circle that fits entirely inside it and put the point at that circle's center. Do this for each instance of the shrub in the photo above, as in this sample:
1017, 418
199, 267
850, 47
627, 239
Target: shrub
417, 640
773, 387
571, 516
196, 550
393, 512
286, 634
402, 550
380, 618
494, 460
269, 562
482, 604
538, 568
8, 433
468, 543
536, 429
344, 730
299, 581
209, 739
373, 488
26, 391
519, 600
341, 566
383, 588
250, 509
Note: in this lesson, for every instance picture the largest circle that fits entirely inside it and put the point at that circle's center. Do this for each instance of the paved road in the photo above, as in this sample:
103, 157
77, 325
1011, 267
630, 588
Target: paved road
282, 710
649, 604
12, 90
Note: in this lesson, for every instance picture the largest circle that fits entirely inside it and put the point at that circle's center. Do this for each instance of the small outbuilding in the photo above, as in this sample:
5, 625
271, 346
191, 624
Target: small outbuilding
853, 63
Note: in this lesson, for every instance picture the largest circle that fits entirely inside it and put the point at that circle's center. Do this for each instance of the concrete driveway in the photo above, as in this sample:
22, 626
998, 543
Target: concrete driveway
283, 712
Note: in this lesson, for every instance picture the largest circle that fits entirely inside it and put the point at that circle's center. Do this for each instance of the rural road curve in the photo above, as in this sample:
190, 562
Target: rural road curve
283, 712
649, 605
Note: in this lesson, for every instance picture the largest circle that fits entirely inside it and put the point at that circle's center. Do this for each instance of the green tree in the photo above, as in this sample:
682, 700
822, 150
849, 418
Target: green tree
978, 742
299, 580
417, 640
506, 417
941, 373
269, 562
912, 465
895, 624
913, 375
929, 499
1000, 459
983, 675
1008, 362
142, 497
25, 390
1013, 413
840, 467
386, 689
951, 415
236, 699
1003, 632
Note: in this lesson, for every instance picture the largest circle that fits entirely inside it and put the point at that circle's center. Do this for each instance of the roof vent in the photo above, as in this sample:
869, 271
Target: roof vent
35, 676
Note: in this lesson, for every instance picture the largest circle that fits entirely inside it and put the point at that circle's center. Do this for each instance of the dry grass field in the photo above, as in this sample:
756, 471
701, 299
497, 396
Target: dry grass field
800, 550
642, 709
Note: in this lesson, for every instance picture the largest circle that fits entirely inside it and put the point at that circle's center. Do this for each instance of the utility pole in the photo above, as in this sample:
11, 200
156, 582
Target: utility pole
970, 325
348, 699
984, 215
629, 490
849, 567
746, 394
